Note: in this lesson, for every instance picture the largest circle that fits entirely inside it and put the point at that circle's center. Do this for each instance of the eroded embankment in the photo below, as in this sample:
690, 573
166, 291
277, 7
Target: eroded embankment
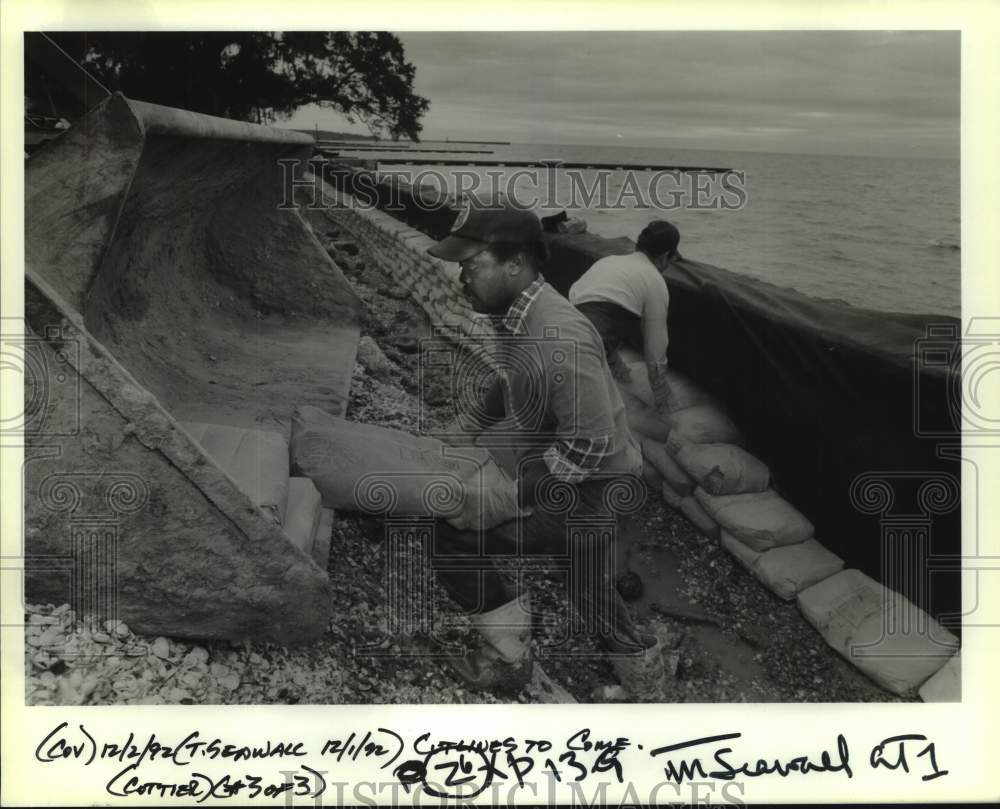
741, 644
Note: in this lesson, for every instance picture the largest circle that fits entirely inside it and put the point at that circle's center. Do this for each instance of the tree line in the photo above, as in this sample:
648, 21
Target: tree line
261, 77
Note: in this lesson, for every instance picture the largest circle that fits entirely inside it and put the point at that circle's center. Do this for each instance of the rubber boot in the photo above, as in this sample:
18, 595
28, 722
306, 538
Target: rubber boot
502, 661
646, 676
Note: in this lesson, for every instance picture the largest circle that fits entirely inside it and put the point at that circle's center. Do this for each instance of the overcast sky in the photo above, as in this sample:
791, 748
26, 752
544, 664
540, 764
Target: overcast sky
874, 92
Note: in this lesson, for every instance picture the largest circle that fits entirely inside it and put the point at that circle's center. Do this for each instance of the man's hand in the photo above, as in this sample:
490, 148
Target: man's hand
660, 386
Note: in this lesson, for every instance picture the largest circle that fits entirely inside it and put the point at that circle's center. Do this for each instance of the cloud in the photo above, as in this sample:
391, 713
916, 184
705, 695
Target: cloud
863, 90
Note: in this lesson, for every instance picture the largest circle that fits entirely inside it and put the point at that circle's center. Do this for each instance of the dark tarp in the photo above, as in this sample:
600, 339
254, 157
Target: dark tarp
824, 392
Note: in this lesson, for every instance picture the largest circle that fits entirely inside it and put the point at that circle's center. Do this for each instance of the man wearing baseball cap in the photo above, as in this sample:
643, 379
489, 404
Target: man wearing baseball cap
555, 407
626, 299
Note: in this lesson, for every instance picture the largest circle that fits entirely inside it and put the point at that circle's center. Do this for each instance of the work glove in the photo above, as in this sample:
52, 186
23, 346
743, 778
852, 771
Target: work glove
660, 386
490, 499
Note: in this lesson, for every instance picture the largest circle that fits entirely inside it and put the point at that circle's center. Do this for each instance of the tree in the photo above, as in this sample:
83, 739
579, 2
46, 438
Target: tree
260, 76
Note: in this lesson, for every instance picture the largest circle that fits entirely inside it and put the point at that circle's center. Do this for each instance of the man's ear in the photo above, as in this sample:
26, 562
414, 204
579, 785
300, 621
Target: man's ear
515, 264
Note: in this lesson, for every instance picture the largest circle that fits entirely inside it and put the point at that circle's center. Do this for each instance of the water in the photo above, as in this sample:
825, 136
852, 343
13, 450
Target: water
875, 232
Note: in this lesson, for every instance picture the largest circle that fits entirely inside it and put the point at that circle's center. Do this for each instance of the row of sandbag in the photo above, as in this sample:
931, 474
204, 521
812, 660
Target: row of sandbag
693, 456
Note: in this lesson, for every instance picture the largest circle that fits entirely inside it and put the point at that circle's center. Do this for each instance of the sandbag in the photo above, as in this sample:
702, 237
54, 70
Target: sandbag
701, 424
643, 419
788, 570
761, 520
670, 497
364, 467
684, 391
638, 382
691, 509
256, 460
304, 512
656, 454
654, 480
946, 685
724, 468
878, 630
508, 448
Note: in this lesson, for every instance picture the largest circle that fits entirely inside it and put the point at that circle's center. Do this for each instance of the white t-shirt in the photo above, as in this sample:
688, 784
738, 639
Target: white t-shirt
629, 281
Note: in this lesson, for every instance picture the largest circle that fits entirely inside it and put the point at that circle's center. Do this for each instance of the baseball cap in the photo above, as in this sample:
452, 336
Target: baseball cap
476, 228
659, 237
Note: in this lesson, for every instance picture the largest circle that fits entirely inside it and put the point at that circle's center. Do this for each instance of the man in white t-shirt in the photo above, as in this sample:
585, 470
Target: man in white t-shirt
626, 299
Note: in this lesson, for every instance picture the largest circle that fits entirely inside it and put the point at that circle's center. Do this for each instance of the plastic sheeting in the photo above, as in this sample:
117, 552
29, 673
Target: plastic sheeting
840, 402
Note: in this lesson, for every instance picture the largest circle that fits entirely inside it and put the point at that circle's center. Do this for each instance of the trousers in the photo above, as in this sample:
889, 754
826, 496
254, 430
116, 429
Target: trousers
574, 529
617, 326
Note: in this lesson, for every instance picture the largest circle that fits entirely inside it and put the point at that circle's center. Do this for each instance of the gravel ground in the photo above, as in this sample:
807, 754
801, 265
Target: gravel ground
740, 643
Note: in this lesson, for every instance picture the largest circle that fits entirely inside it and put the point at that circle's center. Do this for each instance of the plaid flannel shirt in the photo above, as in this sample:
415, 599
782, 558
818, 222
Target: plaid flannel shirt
571, 460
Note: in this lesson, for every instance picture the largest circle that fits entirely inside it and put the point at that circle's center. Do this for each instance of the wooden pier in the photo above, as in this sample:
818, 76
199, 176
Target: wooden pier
573, 164
406, 149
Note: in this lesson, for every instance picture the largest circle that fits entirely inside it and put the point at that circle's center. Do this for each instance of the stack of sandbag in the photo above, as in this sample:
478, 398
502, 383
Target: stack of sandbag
789, 569
881, 632
694, 455
684, 392
363, 467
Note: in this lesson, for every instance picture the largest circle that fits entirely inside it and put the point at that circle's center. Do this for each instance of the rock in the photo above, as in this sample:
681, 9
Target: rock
198, 656
374, 360
609, 693
68, 695
161, 648
190, 679
393, 291
405, 342
218, 670
87, 687
50, 637
231, 681
544, 689
629, 586
126, 687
